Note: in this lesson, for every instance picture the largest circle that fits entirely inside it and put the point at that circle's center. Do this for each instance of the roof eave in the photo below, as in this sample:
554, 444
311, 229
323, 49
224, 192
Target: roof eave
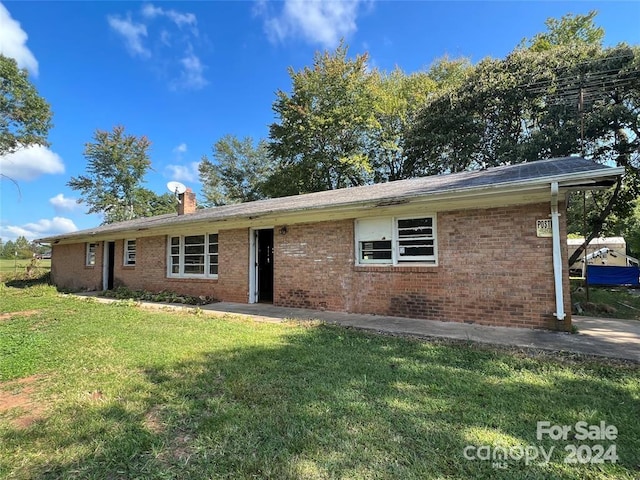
589, 180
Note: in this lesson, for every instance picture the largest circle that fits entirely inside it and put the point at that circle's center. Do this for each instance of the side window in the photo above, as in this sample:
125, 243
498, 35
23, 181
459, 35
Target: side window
416, 240
129, 252
390, 241
374, 240
90, 255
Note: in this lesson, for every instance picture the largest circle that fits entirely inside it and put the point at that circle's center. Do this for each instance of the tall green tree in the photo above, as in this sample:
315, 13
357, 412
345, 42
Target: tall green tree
116, 165
237, 172
569, 30
9, 249
396, 99
320, 138
25, 117
527, 107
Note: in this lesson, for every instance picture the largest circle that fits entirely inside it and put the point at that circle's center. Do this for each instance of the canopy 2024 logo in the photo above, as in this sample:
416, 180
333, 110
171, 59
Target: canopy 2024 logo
574, 453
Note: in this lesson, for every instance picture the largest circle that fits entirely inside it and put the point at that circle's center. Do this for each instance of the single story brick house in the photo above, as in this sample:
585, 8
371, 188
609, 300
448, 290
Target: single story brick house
485, 247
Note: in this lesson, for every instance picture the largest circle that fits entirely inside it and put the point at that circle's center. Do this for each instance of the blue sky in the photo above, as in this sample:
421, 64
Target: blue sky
186, 73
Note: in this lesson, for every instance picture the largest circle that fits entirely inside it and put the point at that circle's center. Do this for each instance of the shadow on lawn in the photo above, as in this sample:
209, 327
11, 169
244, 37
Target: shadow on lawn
330, 403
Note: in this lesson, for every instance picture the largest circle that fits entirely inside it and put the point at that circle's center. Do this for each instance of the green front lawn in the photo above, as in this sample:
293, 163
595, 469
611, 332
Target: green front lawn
117, 392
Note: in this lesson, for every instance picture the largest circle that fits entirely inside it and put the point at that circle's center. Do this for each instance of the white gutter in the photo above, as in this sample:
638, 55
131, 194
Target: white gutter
557, 253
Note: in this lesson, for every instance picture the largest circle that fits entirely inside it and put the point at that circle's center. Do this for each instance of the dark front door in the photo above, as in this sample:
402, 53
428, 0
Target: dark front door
264, 260
111, 262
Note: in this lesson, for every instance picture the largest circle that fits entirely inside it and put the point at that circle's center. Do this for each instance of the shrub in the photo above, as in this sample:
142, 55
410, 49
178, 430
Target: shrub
124, 293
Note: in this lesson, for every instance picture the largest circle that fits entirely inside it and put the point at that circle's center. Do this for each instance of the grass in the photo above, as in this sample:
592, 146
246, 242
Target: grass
609, 302
118, 392
10, 268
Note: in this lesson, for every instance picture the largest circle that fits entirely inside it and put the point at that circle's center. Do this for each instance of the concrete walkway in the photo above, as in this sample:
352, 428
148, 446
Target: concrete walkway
612, 338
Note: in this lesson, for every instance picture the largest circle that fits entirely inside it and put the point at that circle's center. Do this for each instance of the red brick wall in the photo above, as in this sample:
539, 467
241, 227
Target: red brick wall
150, 272
68, 268
492, 270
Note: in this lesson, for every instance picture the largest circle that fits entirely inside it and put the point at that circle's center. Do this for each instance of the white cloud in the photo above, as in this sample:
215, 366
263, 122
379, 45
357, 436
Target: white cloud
42, 228
180, 19
13, 42
192, 74
31, 162
171, 36
183, 173
64, 204
133, 34
182, 148
322, 22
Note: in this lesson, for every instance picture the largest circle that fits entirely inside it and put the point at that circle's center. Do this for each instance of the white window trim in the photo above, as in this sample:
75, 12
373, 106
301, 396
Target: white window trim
126, 251
207, 255
394, 244
87, 254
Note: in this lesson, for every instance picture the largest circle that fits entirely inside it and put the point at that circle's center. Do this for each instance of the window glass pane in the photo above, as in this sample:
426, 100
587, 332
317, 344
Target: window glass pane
175, 240
194, 269
213, 238
375, 250
175, 250
193, 249
194, 240
415, 227
213, 248
175, 268
193, 259
213, 269
376, 255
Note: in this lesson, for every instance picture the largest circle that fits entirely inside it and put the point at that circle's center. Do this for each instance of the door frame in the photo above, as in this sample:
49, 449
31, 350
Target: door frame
253, 263
108, 263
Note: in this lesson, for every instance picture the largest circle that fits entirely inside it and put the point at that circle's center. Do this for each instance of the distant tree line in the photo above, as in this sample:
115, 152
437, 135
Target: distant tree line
21, 248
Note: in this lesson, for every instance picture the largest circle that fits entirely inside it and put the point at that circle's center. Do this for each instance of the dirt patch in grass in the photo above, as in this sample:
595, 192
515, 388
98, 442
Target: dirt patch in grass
16, 397
24, 313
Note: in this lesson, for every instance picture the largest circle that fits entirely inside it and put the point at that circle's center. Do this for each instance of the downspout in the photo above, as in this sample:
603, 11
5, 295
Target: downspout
557, 252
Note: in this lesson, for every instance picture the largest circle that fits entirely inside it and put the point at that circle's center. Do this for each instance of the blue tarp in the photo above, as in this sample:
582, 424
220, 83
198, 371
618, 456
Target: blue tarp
610, 275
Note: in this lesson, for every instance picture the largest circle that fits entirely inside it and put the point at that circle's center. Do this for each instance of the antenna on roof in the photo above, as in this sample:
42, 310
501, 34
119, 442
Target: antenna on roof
177, 189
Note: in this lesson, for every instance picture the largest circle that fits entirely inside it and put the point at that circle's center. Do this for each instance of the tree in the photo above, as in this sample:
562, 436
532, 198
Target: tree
237, 173
630, 230
116, 165
25, 117
9, 249
396, 99
569, 30
23, 247
526, 107
149, 204
319, 140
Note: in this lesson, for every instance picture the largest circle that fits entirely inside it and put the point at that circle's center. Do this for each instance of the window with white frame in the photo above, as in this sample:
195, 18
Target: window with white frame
374, 240
90, 254
416, 240
129, 253
193, 256
396, 241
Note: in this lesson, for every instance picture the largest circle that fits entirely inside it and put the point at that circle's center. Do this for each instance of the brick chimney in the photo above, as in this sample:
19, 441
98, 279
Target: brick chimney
187, 202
